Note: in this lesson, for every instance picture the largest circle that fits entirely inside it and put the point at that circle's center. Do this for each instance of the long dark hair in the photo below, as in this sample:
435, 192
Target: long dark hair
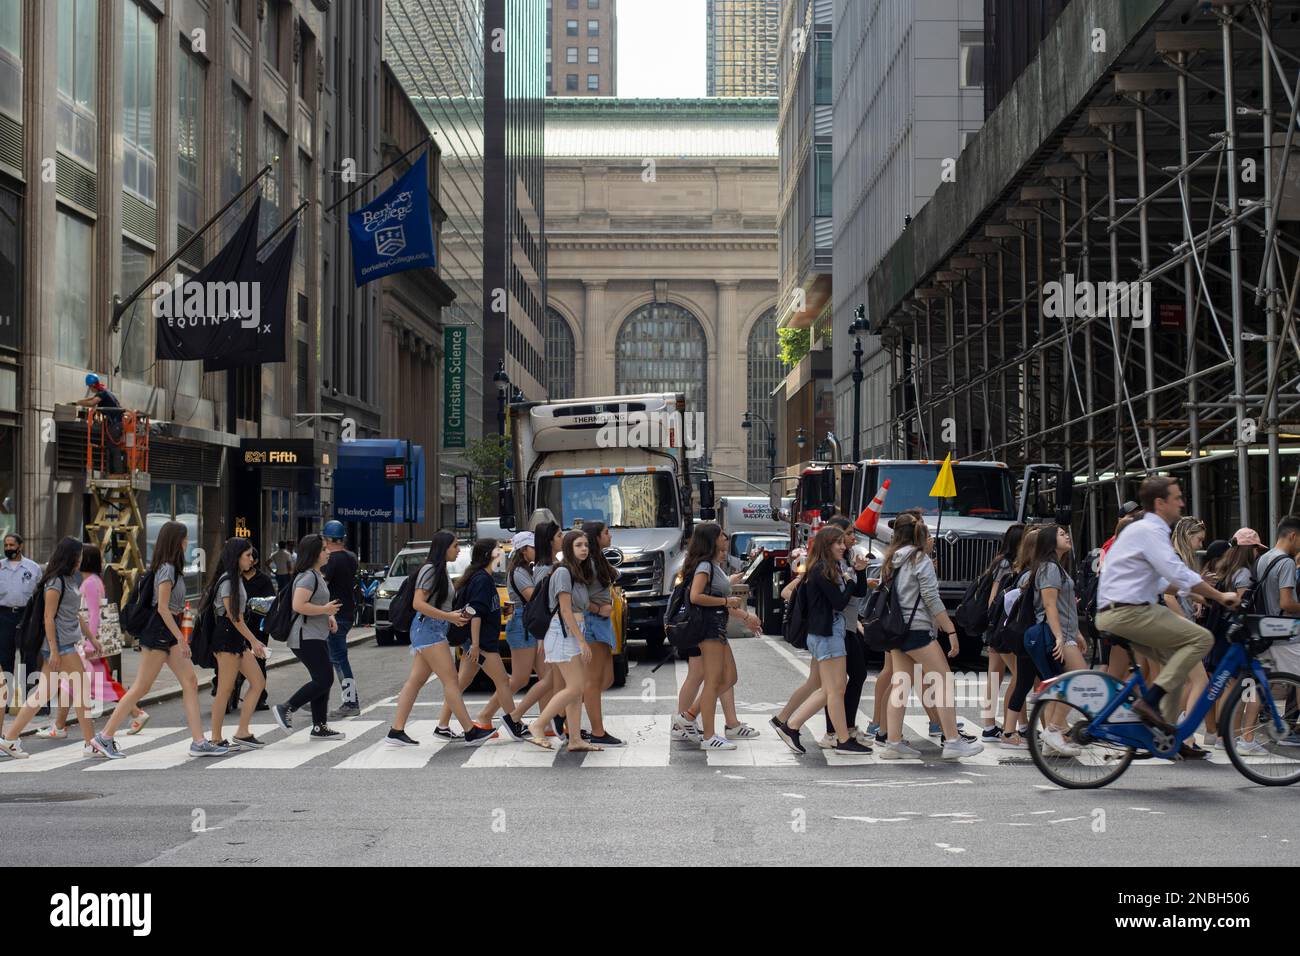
64, 561
605, 574
517, 561
1044, 553
819, 553
577, 569
170, 547
703, 547
309, 549
479, 559
1236, 558
438, 558
542, 536
1009, 546
227, 566
908, 529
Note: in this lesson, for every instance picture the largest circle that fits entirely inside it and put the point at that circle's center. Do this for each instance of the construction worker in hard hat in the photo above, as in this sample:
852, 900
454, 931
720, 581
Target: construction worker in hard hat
340, 573
106, 402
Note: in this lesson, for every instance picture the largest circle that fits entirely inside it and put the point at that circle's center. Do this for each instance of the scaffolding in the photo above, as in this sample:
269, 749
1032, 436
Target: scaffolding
117, 468
1172, 173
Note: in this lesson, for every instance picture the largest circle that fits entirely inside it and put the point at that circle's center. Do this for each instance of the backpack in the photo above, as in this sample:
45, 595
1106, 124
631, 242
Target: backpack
1217, 618
687, 624
998, 612
537, 609
1085, 587
794, 628
972, 614
401, 610
205, 628
458, 634
31, 628
281, 618
139, 609
1009, 635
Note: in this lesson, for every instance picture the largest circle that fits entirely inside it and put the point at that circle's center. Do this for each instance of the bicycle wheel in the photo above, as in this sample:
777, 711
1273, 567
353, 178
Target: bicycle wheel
1089, 764
1259, 751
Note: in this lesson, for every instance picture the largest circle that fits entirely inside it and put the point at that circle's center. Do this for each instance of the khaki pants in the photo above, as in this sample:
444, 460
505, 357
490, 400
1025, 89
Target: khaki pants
1170, 638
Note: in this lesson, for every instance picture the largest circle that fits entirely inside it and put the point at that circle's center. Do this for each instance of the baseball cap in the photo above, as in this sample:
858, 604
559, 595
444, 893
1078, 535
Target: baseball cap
521, 539
1128, 507
1246, 537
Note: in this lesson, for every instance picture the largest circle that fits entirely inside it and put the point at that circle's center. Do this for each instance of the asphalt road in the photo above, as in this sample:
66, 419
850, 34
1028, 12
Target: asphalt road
653, 803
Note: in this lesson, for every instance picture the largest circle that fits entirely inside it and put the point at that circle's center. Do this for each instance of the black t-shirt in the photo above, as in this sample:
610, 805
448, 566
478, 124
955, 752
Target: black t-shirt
341, 575
111, 409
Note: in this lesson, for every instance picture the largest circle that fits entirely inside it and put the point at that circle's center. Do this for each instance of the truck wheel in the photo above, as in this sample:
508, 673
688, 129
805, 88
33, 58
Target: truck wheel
620, 670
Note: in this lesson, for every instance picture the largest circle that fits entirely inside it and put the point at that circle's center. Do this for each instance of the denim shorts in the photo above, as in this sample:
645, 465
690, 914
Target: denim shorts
517, 635
560, 646
63, 649
598, 629
823, 647
426, 632
916, 640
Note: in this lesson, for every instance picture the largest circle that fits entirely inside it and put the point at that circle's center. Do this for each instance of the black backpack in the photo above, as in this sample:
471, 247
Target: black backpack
205, 628
537, 609
1085, 587
972, 614
31, 628
794, 628
883, 627
139, 609
401, 610
687, 624
1008, 634
281, 618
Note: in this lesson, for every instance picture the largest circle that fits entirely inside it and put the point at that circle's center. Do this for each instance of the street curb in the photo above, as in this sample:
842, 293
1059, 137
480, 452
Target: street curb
278, 660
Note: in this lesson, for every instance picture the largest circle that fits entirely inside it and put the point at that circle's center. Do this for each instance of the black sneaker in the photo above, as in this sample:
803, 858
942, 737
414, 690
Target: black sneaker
602, 740
446, 733
283, 716
514, 729
325, 732
962, 735
559, 726
992, 733
851, 746
250, 741
479, 735
398, 738
790, 737
882, 738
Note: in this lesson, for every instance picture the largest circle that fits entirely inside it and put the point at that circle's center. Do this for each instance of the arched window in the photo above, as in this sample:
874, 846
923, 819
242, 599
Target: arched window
559, 356
763, 373
661, 348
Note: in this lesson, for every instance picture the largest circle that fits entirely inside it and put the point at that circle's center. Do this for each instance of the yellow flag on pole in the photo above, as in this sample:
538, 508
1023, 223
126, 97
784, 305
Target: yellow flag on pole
944, 485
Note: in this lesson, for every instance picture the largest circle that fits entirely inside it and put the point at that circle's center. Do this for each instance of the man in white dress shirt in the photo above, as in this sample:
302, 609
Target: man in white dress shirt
1140, 566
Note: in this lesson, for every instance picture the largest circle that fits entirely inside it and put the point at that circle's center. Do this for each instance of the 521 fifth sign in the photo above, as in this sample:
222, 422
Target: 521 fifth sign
453, 386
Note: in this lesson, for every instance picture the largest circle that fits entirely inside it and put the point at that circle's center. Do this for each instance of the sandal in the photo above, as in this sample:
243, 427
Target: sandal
583, 747
137, 724
541, 742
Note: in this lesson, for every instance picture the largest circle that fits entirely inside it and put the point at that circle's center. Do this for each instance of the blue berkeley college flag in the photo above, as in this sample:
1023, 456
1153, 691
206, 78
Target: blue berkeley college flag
395, 231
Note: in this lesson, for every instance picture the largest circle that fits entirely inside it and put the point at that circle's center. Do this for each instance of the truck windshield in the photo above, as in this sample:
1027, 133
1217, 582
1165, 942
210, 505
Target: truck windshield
981, 492
647, 500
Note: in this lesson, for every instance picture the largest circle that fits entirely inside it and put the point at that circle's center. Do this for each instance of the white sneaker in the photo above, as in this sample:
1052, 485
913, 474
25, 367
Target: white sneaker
89, 751
1210, 742
51, 733
956, 749
898, 751
742, 732
13, 748
1053, 742
1243, 747
717, 743
827, 741
862, 737
686, 730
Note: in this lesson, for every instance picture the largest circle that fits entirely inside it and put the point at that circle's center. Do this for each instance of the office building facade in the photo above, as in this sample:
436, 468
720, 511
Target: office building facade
741, 47
581, 47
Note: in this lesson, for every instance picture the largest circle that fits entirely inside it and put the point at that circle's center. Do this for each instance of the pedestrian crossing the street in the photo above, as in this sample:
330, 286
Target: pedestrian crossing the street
647, 736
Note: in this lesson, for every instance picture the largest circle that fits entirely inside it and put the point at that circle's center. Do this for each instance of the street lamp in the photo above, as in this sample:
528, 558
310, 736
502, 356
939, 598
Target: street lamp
746, 423
801, 438
502, 381
859, 326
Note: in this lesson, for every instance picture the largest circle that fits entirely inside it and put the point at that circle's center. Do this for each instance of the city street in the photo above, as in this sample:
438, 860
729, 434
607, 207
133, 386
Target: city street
654, 802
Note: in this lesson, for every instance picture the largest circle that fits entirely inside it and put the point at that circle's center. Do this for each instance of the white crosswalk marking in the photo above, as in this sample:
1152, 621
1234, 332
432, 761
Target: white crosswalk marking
294, 750
503, 752
382, 756
71, 753
647, 739
161, 758
764, 751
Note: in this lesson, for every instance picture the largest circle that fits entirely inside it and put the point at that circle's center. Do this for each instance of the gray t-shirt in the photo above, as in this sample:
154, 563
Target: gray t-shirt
1268, 598
599, 592
168, 573
539, 571
1051, 576
519, 580
719, 581
852, 610
67, 628
223, 592
1241, 578
316, 627
424, 581
562, 580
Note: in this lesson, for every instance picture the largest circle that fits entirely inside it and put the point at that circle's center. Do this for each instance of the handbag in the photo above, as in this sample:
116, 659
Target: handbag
109, 637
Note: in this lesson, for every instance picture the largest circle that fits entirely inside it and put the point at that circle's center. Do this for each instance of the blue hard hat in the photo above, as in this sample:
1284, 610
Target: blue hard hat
334, 529
91, 379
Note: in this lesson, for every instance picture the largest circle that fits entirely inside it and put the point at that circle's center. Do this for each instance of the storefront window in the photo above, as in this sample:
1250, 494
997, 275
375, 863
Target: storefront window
179, 502
8, 479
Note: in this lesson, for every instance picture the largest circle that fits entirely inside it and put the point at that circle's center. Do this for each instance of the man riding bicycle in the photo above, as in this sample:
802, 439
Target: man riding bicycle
1140, 566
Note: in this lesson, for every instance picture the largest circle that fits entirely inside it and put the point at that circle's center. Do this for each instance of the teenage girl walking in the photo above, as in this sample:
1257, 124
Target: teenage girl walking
599, 631
161, 642
313, 621
523, 646
231, 638
482, 600
548, 541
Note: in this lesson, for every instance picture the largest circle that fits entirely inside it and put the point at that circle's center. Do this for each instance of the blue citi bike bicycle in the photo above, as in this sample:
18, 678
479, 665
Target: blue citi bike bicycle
1259, 722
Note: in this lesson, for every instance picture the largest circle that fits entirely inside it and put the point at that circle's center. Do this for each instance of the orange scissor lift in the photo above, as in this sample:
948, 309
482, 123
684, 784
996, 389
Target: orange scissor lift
116, 525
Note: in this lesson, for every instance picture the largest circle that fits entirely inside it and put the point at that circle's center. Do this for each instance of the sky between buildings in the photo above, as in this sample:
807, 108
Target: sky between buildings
661, 48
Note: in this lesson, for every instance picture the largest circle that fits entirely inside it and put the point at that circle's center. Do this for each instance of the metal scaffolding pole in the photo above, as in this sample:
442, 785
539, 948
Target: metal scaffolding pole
1234, 258
1269, 283
1085, 270
1193, 420
1148, 334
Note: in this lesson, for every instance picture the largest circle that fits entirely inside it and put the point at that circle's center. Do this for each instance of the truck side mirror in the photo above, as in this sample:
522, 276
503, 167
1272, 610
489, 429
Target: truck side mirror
774, 499
827, 479
505, 507
707, 510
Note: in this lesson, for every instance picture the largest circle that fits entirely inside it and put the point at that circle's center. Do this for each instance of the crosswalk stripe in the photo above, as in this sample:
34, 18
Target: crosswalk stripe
763, 751
382, 756
504, 752
294, 750
161, 758
647, 742
71, 753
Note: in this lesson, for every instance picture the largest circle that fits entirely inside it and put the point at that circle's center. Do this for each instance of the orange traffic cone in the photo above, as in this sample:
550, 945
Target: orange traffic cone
870, 517
187, 622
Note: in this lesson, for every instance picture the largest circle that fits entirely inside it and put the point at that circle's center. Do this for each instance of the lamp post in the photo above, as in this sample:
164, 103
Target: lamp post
746, 423
859, 326
801, 438
502, 381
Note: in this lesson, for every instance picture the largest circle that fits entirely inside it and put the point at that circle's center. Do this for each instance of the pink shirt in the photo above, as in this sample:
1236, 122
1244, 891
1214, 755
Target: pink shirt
92, 590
